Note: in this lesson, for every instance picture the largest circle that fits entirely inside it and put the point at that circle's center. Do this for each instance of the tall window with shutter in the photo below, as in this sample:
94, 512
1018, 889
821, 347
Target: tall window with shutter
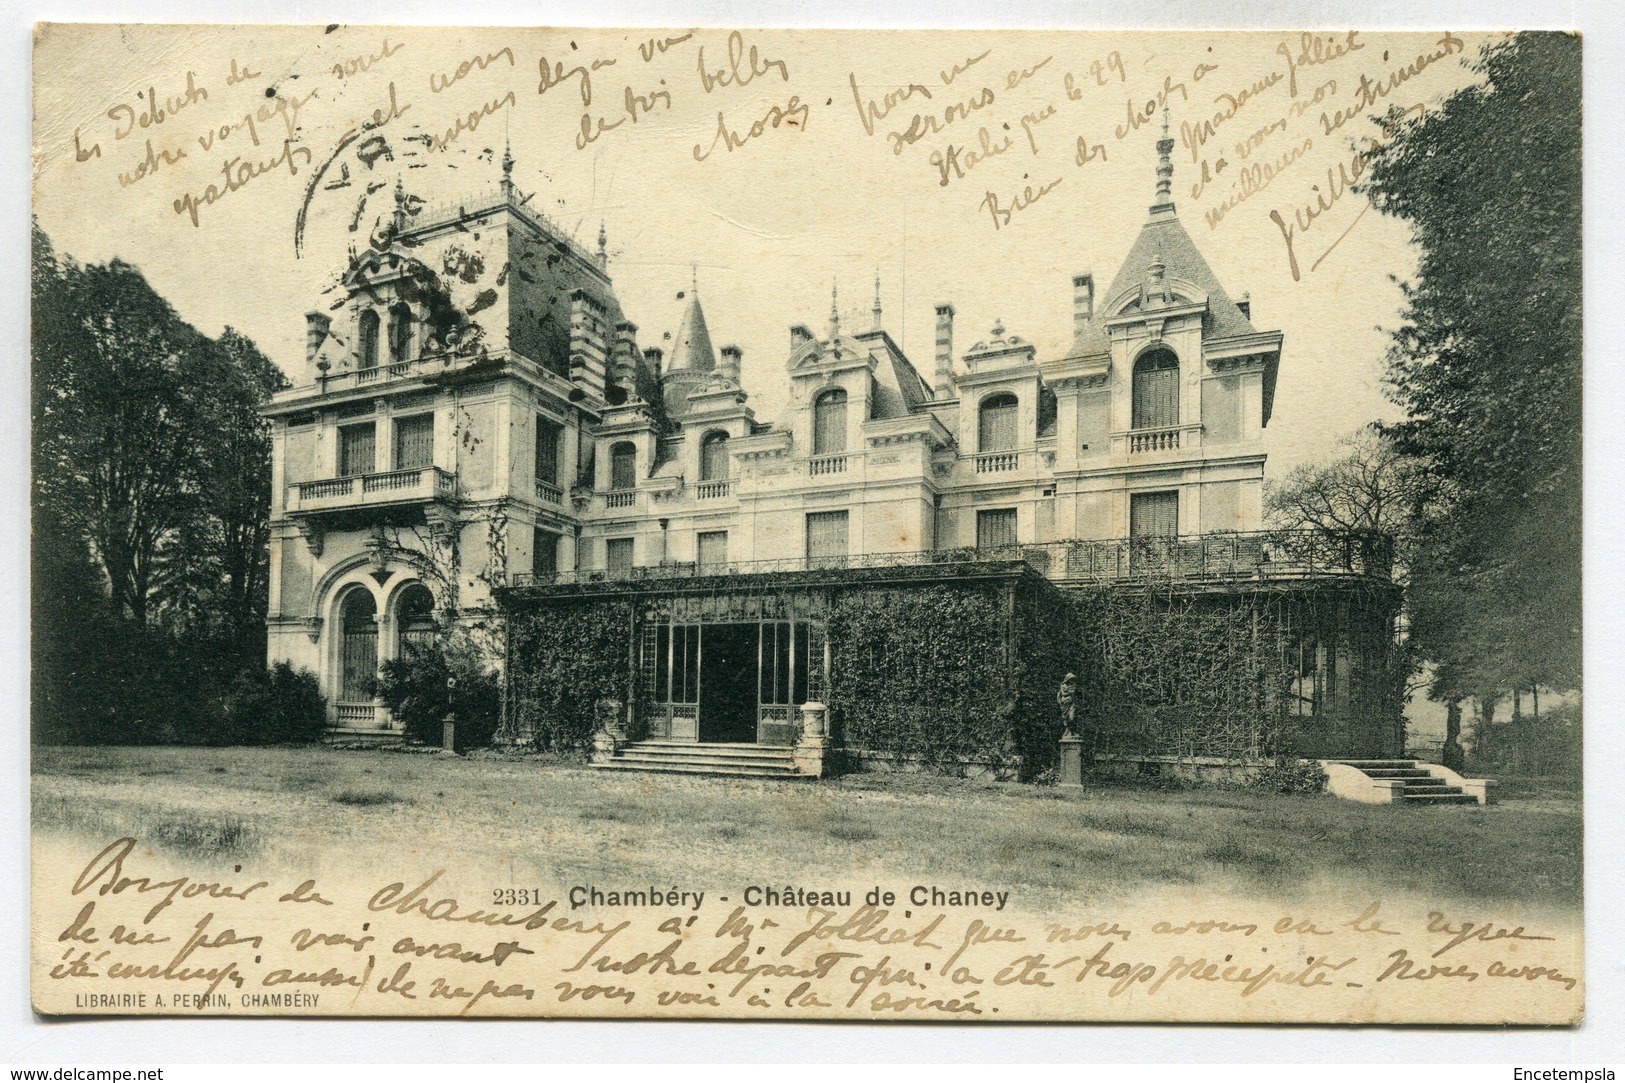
544, 552
358, 449
1153, 515
400, 333
826, 536
714, 457
623, 460
1156, 390
712, 549
414, 442
829, 423
996, 424
369, 339
618, 558
996, 528
549, 434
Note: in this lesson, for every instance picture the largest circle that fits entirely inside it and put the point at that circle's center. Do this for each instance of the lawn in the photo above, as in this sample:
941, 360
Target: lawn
563, 823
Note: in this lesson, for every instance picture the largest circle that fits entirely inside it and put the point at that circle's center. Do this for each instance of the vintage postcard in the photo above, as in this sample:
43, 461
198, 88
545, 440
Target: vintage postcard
820, 525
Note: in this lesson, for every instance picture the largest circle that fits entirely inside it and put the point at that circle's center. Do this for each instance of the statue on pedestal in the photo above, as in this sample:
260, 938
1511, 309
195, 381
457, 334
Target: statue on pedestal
1066, 697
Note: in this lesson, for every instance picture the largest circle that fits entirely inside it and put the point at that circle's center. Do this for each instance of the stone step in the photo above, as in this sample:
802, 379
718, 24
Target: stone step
1396, 772
1457, 798
716, 769
772, 766
677, 748
1380, 765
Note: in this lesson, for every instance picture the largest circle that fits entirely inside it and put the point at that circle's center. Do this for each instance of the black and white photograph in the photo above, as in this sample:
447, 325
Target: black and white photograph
963, 526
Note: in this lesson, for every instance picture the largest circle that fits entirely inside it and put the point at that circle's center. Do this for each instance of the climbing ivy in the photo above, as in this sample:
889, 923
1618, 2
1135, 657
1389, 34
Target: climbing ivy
563, 657
923, 673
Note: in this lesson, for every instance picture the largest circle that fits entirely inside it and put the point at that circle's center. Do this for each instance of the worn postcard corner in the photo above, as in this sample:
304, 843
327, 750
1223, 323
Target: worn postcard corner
806, 524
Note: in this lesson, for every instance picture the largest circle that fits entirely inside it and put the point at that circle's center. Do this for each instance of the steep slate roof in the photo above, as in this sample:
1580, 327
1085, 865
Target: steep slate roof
692, 351
1089, 339
1164, 236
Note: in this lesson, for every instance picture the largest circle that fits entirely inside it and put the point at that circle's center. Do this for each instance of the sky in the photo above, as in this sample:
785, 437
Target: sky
981, 168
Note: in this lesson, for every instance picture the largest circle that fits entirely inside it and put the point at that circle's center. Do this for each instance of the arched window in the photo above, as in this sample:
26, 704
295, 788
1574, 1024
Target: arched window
1156, 390
358, 647
996, 424
829, 423
400, 333
714, 456
369, 339
416, 619
623, 466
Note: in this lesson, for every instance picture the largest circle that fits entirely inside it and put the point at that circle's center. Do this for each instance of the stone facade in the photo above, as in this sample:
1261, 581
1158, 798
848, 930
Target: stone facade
477, 424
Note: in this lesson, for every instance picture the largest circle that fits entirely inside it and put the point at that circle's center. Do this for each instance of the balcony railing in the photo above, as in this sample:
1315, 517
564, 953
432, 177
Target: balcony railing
360, 490
546, 490
826, 464
711, 490
620, 498
1153, 440
998, 461
1195, 559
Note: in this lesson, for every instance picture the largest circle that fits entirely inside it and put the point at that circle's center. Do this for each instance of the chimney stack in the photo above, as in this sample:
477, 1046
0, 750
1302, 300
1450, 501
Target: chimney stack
945, 352
800, 335
1083, 299
1246, 306
653, 355
731, 358
626, 357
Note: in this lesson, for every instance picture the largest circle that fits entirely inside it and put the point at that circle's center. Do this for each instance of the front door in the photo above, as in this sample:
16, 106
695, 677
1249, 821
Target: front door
728, 675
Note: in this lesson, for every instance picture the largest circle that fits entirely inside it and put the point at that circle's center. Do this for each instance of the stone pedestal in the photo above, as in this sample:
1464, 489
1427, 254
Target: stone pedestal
610, 735
1071, 761
812, 741
448, 733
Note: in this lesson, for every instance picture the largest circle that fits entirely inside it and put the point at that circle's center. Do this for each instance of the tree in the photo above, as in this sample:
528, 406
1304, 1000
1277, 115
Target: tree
1487, 365
1373, 491
151, 492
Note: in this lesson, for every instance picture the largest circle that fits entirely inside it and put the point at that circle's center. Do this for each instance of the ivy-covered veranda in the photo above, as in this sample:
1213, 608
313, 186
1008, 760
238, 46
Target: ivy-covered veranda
1225, 648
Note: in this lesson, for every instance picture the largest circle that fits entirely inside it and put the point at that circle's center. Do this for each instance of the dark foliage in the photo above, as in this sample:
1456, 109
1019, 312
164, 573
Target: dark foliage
925, 673
1286, 775
1487, 366
151, 489
563, 658
274, 706
434, 681
1544, 746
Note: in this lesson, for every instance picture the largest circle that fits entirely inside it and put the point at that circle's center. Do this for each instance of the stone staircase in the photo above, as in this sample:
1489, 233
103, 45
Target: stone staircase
1408, 782
689, 758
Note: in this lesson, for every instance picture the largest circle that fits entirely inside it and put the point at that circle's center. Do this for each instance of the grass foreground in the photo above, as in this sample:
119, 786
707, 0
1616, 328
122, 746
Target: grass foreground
567, 823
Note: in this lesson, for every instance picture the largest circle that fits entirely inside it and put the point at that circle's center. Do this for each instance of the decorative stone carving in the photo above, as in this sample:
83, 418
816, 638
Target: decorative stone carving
315, 537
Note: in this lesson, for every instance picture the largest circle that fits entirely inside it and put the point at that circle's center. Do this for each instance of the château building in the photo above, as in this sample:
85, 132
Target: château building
902, 565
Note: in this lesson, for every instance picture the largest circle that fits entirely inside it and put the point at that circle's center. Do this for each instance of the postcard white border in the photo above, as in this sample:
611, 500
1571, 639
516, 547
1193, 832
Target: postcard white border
132, 1042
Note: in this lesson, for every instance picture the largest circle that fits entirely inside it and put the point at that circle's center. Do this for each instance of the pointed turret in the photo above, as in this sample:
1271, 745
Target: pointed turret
692, 351
1162, 255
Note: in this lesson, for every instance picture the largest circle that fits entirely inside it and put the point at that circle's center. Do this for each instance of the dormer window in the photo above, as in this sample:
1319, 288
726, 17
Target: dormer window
400, 333
996, 423
369, 339
829, 423
1156, 390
